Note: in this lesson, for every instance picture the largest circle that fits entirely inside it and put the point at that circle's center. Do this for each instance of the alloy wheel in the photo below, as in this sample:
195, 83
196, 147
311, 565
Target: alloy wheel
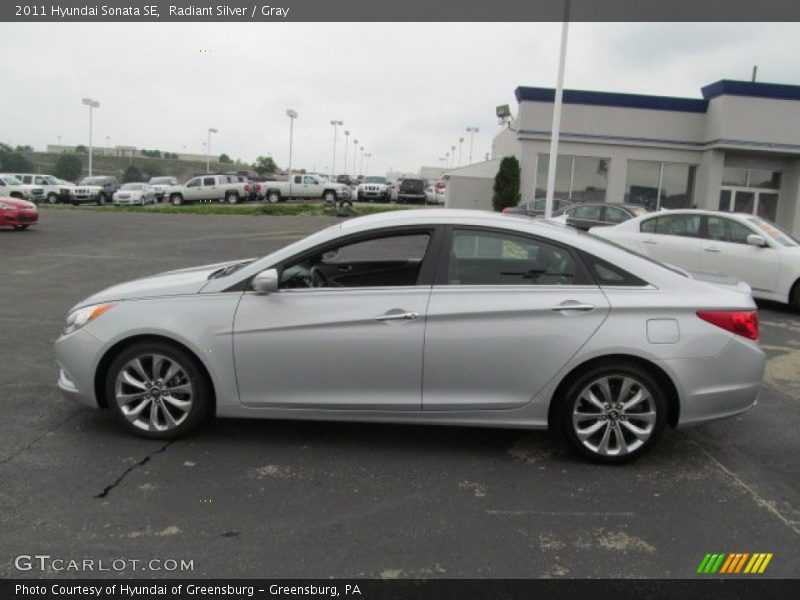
614, 415
154, 392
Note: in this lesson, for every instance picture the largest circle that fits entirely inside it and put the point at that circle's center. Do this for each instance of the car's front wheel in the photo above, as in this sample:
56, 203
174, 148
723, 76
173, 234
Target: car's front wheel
52, 198
613, 413
158, 390
101, 200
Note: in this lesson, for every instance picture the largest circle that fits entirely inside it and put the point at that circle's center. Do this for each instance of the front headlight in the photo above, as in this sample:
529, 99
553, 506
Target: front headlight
80, 317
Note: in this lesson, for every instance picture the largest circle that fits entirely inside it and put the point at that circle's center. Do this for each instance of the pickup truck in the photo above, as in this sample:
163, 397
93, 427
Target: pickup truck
211, 188
14, 188
54, 190
305, 187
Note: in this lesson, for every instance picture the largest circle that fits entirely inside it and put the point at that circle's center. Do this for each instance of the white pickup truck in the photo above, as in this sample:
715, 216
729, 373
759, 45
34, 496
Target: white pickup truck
304, 186
55, 190
211, 188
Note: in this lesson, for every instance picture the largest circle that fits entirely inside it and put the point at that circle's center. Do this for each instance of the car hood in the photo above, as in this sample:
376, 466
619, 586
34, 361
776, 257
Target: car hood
16, 203
170, 283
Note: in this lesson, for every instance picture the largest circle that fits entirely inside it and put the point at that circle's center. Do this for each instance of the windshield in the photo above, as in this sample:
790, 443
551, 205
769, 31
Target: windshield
375, 180
11, 180
132, 186
92, 181
774, 232
158, 180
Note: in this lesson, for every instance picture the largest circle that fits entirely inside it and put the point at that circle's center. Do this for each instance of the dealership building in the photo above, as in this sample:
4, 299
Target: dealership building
735, 149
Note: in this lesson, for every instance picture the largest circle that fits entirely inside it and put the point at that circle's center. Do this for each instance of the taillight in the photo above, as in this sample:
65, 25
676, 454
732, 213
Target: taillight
258, 187
740, 322
506, 211
246, 187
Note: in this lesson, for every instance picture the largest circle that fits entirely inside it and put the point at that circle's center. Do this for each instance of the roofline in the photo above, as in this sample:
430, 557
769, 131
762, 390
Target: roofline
723, 87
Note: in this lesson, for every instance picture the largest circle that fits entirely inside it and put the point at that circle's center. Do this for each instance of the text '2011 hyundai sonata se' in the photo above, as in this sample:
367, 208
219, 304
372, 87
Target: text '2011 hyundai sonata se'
434, 316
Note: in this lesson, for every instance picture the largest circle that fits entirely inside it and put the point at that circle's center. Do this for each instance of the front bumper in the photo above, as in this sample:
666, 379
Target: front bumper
77, 356
22, 217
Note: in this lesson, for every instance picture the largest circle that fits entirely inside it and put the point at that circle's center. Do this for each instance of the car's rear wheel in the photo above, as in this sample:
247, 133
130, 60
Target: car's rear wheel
157, 390
176, 199
613, 413
329, 197
795, 299
273, 197
232, 198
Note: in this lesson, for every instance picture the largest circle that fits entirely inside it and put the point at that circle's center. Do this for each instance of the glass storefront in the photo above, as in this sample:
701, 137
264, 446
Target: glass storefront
750, 191
578, 178
657, 185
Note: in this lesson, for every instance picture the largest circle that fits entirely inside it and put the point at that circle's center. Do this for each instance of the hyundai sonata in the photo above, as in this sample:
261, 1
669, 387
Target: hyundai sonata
435, 316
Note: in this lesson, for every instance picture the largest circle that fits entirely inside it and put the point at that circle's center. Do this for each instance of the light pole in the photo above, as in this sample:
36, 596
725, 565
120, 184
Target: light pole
361, 163
471, 131
355, 158
108, 143
208, 149
366, 168
333, 168
292, 114
447, 158
59, 139
452, 155
92, 104
346, 139
460, 144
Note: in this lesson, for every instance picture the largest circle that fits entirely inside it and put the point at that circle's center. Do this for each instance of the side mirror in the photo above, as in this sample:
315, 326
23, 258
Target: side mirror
756, 240
266, 282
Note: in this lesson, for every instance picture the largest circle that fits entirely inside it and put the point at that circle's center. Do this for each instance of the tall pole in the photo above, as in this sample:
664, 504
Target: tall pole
355, 158
366, 168
292, 116
472, 131
346, 139
333, 168
92, 104
361, 164
208, 149
551, 167
460, 144
452, 156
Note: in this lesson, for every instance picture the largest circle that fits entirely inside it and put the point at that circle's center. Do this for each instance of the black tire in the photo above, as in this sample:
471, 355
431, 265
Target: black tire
21, 227
101, 200
176, 199
795, 298
329, 197
273, 197
52, 198
16, 195
202, 400
232, 198
615, 370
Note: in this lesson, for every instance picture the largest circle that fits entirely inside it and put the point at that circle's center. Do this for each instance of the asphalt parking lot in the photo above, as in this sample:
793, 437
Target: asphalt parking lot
299, 499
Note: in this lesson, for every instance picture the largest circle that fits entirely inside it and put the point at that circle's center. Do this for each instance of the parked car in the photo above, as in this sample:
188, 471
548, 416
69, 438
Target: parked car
13, 187
16, 213
345, 179
307, 187
374, 188
164, 186
390, 318
55, 190
211, 188
434, 195
535, 208
595, 214
739, 245
94, 189
130, 194
412, 191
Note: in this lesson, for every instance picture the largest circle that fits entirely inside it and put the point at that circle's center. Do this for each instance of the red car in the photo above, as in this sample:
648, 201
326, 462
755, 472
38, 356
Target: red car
16, 213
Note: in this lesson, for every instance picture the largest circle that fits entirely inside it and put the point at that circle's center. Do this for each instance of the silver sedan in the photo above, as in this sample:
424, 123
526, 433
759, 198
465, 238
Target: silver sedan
436, 316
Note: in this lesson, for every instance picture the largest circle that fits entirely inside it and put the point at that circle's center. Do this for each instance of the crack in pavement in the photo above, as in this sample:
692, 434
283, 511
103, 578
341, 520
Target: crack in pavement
39, 437
127, 471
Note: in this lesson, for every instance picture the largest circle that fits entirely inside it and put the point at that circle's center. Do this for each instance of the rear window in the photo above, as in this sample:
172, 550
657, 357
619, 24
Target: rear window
606, 274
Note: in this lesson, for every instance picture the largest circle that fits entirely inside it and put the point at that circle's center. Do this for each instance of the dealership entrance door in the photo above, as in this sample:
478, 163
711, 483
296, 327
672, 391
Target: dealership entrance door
754, 201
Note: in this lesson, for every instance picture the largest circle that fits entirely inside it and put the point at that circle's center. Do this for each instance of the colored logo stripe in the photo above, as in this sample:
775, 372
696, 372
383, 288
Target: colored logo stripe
734, 563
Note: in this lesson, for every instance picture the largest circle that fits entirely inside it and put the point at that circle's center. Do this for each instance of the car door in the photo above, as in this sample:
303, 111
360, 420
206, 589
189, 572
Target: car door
673, 238
193, 189
211, 189
312, 188
726, 251
353, 340
507, 313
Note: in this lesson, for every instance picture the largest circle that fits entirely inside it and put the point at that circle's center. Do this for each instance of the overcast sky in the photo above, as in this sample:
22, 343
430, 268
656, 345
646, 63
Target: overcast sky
406, 91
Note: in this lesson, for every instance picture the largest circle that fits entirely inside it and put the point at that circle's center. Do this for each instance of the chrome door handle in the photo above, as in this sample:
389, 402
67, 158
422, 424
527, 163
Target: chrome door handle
409, 316
711, 249
573, 306
653, 242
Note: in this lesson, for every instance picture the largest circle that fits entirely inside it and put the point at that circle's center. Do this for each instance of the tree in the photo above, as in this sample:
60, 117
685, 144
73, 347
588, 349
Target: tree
224, 158
132, 173
68, 166
81, 149
506, 184
11, 161
151, 168
265, 165
25, 148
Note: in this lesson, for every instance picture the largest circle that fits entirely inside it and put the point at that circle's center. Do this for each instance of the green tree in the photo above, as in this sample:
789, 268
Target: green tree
11, 160
151, 168
81, 149
264, 165
506, 184
25, 148
68, 166
224, 158
132, 173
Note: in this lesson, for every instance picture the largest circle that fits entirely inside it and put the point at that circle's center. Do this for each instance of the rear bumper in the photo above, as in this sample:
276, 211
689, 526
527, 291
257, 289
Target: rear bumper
718, 387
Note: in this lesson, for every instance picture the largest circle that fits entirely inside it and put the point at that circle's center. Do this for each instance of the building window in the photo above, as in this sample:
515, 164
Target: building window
578, 178
753, 178
657, 185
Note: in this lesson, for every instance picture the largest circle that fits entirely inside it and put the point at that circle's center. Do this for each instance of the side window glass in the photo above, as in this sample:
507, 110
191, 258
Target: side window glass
648, 226
588, 212
309, 180
615, 215
193, 183
680, 225
209, 181
298, 179
489, 258
27, 179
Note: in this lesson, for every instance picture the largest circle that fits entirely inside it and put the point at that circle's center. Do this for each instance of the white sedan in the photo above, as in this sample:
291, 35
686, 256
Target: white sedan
740, 245
135, 193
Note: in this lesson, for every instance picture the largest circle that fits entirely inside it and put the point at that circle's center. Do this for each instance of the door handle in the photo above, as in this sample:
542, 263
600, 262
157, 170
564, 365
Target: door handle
711, 249
573, 305
649, 241
407, 316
